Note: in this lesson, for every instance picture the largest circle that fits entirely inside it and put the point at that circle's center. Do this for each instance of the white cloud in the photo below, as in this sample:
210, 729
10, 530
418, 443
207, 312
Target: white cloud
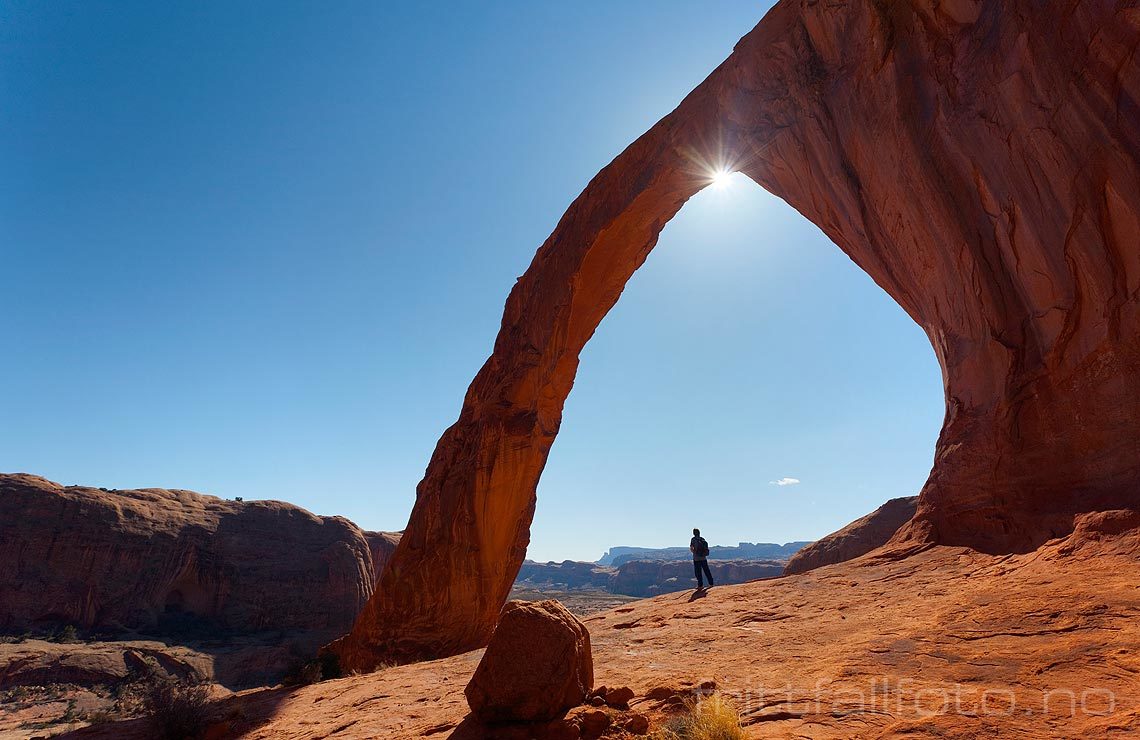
784, 482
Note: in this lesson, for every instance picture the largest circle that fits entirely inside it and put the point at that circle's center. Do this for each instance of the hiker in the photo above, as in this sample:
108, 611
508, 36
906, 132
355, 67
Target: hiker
700, 549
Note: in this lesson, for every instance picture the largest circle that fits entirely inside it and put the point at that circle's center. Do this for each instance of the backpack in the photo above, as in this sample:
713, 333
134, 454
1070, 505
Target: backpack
702, 547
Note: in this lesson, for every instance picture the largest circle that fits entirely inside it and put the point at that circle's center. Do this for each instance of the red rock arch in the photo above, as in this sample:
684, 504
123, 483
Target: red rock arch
978, 158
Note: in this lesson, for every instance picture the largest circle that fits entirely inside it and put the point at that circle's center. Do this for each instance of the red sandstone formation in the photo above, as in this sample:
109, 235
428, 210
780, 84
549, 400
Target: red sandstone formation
978, 158
381, 545
536, 667
857, 538
95, 558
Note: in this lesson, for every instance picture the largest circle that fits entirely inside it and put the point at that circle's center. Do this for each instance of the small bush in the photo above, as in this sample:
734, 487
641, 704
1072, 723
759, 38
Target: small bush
711, 718
304, 673
67, 635
179, 710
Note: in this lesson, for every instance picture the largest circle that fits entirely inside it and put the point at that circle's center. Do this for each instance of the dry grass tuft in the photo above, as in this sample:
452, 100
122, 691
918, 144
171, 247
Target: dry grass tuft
711, 718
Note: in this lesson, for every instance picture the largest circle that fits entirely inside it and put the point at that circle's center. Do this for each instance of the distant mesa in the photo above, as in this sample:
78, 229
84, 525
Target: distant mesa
640, 578
615, 556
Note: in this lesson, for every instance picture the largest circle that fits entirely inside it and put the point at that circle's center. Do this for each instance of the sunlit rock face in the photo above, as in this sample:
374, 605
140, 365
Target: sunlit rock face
978, 158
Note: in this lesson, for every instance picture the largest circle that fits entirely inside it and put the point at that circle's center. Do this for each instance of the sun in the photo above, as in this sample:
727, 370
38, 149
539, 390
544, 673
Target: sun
721, 179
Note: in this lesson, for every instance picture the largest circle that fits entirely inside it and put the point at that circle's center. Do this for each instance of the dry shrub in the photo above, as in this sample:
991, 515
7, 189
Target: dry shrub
179, 710
710, 718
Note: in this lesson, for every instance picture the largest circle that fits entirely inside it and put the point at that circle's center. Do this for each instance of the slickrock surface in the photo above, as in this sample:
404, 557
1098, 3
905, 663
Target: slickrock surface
948, 643
979, 159
858, 538
94, 558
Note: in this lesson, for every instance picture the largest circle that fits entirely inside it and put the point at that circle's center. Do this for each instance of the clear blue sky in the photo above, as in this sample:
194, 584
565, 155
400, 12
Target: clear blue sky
260, 249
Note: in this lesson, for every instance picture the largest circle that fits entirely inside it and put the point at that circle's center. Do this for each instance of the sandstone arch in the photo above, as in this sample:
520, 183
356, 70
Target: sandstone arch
978, 158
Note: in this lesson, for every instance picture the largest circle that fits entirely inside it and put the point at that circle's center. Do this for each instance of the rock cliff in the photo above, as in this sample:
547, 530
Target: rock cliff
98, 558
979, 159
858, 538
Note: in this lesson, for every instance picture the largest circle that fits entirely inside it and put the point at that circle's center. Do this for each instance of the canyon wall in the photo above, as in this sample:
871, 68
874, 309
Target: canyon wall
97, 558
979, 159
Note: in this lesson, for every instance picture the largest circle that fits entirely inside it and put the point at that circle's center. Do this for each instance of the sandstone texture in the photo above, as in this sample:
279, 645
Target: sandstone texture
947, 644
979, 159
131, 559
537, 666
857, 538
381, 545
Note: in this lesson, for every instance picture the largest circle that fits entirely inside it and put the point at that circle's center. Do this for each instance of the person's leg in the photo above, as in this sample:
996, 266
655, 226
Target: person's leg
708, 573
697, 573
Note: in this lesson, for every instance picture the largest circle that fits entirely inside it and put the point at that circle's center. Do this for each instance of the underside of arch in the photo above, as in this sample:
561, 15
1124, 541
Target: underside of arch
978, 158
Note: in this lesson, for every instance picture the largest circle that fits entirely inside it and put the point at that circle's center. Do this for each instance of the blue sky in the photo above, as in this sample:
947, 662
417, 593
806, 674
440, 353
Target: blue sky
260, 250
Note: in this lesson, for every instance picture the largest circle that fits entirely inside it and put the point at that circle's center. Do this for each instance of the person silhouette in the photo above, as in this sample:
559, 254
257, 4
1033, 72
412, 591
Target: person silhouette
700, 549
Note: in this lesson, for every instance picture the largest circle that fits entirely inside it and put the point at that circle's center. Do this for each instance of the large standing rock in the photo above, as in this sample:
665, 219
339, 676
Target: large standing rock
99, 558
537, 665
858, 538
979, 159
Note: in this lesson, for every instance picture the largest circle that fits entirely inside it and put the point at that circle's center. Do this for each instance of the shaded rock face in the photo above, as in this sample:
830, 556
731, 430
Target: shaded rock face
381, 545
858, 538
977, 158
537, 665
96, 558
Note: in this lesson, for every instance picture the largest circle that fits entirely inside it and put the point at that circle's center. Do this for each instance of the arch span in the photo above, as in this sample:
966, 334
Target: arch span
978, 158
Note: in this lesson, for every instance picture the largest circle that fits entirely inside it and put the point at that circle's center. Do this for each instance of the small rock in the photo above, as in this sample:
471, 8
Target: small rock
636, 724
597, 701
619, 698
661, 693
594, 723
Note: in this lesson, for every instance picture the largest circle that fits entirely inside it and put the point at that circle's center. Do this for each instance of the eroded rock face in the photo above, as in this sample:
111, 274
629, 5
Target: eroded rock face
858, 538
95, 558
381, 545
978, 158
537, 665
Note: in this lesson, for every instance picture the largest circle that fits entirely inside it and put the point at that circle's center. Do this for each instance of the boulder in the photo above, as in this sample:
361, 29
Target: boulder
537, 665
619, 698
